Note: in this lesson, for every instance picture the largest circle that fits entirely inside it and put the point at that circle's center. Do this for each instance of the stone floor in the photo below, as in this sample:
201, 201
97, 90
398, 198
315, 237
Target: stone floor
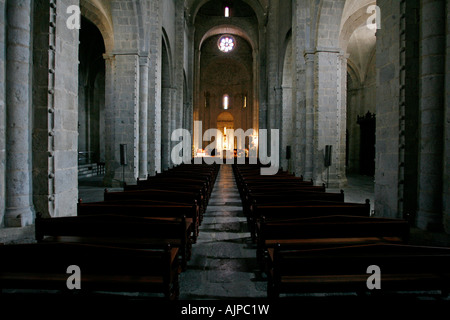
223, 264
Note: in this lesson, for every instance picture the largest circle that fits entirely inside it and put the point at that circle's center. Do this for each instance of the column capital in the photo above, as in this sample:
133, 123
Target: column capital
109, 56
144, 60
309, 55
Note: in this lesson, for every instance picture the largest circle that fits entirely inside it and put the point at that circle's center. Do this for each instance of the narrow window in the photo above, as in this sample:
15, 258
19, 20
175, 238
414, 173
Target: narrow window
226, 101
227, 12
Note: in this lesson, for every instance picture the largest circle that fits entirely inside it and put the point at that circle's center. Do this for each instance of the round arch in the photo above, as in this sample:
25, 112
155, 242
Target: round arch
356, 20
328, 23
97, 14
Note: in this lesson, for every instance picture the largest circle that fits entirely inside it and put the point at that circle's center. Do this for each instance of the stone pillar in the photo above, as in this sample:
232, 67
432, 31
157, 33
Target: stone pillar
387, 111
166, 119
174, 110
300, 35
277, 112
327, 118
121, 121
446, 182
309, 116
2, 111
110, 147
154, 89
179, 63
287, 128
143, 117
256, 85
431, 113
19, 208
273, 80
342, 117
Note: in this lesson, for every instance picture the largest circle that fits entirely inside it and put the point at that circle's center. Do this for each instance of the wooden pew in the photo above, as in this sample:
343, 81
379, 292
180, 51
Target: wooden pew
305, 209
174, 185
143, 208
119, 231
182, 197
209, 174
329, 231
199, 176
43, 266
254, 199
344, 269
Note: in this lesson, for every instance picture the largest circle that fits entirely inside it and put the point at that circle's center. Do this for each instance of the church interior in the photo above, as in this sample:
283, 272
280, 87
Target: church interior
225, 149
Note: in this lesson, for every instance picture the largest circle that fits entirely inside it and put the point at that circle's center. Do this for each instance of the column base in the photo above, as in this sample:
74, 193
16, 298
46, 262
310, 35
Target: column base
331, 181
429, 221
447, 224
18, 218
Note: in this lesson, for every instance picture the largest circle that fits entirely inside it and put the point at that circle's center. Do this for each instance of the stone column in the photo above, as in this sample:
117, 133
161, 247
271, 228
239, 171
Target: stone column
173, 106
2, 111
154, 89
446, 182
287, 128
166, 99
110, 130
327, 117
431, 113
256, 85
143, 117
179, 63
273, 80
19, 208
342, 118
121, 118
309, 116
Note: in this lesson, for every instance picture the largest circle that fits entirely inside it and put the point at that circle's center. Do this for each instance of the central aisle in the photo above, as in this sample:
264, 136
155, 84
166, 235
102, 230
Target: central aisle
223, 263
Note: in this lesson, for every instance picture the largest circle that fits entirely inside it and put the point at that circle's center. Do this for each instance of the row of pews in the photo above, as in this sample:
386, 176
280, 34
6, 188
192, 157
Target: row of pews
136, 240
312, 241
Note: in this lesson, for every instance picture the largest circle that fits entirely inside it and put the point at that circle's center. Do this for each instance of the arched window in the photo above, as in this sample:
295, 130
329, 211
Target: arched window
225, 101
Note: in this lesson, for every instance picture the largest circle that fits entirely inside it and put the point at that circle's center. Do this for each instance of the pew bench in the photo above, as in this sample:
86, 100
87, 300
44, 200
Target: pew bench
119, 231
254, 199
43, 266
175, 183
305, 209
173, 186
142, 208
329, 231
344, 269
181, 197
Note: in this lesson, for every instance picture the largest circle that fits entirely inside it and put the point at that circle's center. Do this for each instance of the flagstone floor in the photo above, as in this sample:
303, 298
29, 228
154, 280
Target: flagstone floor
223, 263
